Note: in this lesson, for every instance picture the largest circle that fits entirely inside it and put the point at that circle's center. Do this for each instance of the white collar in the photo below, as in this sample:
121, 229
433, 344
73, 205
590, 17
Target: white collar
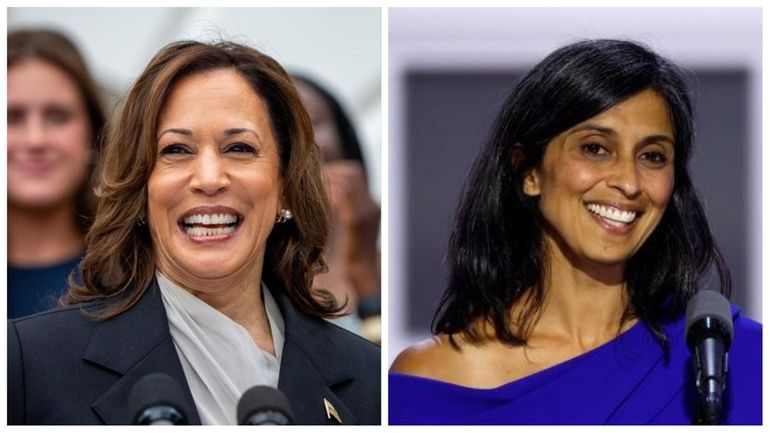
219, 357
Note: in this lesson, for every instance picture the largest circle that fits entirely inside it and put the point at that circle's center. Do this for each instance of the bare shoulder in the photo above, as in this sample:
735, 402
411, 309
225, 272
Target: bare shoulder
435, 358
483, 364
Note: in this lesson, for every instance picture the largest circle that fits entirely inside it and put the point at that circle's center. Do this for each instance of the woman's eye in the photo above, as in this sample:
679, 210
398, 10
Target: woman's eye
654, 157
58, 116
175, 149
15, 116
241, 148
594, 149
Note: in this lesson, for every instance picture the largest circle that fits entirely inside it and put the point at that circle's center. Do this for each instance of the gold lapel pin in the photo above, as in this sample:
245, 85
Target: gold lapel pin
331, 411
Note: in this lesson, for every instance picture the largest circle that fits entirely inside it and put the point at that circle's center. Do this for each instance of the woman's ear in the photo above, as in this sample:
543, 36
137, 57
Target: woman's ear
531, 183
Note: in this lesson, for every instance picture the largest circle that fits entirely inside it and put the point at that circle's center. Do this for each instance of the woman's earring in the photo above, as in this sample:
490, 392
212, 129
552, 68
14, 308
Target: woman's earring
141, 222
283, 216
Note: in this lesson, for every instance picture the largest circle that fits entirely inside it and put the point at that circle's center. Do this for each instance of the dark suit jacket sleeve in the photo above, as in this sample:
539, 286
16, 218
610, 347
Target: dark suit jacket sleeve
15, 378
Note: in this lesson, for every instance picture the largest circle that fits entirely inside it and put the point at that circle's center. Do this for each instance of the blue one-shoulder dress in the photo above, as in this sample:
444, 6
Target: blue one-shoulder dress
629, 380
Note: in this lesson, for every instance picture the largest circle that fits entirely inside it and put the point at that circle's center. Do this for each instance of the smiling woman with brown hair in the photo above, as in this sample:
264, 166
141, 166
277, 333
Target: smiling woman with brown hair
210, 228
577, 244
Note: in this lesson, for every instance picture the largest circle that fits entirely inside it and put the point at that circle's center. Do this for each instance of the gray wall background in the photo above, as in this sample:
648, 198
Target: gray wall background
450, 70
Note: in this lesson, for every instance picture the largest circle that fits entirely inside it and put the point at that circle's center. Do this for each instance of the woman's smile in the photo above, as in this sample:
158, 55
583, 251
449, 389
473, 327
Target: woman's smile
210, 223
615, 218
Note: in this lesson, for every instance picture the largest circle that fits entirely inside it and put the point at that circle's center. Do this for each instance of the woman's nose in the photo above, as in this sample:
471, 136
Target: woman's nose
209, 173
33, 132
624, 177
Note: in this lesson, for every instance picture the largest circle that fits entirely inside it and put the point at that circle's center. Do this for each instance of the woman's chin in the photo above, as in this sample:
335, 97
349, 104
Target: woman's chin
606, 266
213, 271
205, 270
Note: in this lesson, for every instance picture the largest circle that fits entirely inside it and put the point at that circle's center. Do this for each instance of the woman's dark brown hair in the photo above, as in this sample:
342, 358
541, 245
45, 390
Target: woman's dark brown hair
56, 49
119, 263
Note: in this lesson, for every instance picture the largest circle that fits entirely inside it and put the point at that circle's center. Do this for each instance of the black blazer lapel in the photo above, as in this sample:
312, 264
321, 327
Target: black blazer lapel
306, 389
309, 370
134, 344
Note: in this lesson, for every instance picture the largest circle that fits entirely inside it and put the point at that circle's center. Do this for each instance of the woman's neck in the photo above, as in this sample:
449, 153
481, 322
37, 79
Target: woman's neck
584, 302
239, 297
41, 237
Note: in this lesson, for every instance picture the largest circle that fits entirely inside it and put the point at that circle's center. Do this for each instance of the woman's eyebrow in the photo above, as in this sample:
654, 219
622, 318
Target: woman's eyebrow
236, 131
228, 132
657, 138
181, 131
594, 127
654, 138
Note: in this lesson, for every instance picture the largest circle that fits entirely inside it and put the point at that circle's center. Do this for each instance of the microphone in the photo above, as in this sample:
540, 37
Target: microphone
709, 333
156, 399
264, 405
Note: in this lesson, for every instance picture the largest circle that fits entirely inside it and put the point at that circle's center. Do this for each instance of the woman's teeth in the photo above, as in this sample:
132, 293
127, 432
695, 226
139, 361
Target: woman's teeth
213, 219
612, 215
199, 225
206, 231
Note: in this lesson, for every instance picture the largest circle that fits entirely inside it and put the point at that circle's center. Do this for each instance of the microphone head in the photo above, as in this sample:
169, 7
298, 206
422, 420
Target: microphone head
708, 312
157, 398
264, 405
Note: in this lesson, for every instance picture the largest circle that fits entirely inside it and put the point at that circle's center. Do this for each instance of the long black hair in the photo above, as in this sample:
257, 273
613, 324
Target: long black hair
496, 254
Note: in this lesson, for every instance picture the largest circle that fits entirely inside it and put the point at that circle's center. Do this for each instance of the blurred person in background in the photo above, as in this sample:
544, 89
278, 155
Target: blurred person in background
54, 120
352, 255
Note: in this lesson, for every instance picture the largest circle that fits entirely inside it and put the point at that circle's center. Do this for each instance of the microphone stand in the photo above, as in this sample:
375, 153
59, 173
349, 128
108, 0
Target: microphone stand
710, 380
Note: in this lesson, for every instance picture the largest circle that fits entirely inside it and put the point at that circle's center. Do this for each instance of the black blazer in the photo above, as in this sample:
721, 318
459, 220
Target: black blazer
66, 369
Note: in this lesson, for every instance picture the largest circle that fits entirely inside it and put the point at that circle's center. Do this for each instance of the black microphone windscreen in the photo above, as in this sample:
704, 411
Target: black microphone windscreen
262, 398
155, 389
712, 304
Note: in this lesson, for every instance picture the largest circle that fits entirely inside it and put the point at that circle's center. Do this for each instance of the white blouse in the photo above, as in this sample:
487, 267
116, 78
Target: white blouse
219, 357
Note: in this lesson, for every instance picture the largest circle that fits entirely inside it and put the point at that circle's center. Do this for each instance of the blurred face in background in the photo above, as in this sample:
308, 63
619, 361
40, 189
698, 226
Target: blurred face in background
324, 127
49, 136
